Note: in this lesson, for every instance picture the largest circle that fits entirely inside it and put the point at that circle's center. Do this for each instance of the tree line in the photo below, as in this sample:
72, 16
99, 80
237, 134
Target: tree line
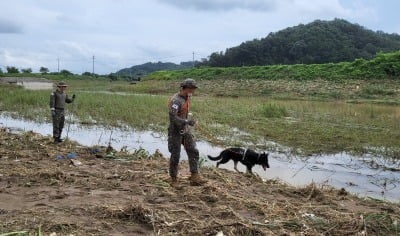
314, 43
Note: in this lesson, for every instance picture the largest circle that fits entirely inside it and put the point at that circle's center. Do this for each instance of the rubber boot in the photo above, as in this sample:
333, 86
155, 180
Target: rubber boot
196, 180
173, 181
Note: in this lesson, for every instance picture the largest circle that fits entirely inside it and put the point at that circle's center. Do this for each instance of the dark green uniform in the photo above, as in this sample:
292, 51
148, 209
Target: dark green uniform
57, 104
179, 133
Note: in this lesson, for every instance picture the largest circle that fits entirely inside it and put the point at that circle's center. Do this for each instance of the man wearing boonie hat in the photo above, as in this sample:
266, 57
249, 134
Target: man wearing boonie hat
179, 133
57, 103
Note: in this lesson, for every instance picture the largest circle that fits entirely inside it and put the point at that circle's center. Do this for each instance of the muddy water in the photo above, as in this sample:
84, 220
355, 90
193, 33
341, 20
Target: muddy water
366, 176
28, 82
36, 85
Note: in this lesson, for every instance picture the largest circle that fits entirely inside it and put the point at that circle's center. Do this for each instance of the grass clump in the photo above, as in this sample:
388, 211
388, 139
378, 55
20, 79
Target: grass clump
273, 110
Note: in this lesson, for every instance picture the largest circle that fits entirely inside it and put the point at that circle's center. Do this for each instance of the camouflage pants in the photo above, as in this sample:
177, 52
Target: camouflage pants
175, 141
58, 123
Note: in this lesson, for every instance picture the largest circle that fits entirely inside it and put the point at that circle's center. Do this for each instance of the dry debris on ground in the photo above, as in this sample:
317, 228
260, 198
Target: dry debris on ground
128, 194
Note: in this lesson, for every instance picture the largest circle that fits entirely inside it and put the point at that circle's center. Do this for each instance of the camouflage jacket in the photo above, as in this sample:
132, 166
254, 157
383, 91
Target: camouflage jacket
58, 100
178, 107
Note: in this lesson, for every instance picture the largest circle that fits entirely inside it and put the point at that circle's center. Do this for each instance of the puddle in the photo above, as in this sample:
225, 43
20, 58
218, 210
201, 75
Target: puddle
367, 176
36, 85
28, 82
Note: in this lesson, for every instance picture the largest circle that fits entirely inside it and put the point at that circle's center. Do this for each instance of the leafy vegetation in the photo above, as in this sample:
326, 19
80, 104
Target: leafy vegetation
314, 43
384, 65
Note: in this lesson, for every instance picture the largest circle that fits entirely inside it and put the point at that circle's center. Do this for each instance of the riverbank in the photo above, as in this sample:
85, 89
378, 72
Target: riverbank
88, 195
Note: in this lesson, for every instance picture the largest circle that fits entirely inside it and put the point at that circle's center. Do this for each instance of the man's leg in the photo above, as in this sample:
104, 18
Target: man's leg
56, 126
193, 156
174, 147
61, 126
192, 152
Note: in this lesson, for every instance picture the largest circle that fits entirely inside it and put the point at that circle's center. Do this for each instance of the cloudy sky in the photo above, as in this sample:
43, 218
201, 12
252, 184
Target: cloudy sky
123, 33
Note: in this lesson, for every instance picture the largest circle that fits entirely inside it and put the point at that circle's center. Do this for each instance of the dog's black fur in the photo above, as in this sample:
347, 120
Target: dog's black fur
247, 157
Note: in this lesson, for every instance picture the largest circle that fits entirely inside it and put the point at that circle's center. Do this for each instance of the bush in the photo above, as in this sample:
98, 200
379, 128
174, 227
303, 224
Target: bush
44, 70
65, 72
26, 71
12, 70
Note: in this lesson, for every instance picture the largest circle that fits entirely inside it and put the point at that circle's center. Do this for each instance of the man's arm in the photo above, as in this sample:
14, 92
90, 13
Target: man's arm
173, 115
69, 100
52, 103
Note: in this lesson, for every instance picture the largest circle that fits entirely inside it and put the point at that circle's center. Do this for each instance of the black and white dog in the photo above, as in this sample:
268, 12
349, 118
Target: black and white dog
247, 157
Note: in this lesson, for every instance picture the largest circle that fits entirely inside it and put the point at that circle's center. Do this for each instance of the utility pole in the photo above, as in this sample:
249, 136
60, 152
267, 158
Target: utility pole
58, 65
193, 60
93, 66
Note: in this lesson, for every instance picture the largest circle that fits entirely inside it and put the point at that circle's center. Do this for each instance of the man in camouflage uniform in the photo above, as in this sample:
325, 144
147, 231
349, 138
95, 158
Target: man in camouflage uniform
179, 133
57, 103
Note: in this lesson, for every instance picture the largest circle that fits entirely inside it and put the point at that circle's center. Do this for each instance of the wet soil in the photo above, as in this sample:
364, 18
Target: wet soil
129, 194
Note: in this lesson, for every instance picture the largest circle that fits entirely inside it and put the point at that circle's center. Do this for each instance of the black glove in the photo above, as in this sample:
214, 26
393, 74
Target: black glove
53, 113
73, 96
191, 122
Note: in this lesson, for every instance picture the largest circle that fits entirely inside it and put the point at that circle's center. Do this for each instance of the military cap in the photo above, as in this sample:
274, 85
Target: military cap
189, 83
62, 84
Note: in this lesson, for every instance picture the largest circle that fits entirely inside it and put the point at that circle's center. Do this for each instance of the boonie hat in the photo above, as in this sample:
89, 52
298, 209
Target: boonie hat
189, 83
62, 84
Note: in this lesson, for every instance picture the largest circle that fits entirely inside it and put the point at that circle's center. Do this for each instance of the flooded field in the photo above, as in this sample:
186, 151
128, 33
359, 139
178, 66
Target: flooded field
36, 85
29, 82
366, 175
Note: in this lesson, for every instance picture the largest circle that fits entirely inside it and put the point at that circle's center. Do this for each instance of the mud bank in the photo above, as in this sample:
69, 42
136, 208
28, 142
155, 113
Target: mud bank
88, 195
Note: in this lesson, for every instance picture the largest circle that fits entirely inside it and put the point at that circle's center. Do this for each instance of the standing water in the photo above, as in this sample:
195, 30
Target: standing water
367, 176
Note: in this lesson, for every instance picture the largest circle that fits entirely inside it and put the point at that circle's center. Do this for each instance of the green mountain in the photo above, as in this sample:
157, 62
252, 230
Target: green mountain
149, 67
313, 43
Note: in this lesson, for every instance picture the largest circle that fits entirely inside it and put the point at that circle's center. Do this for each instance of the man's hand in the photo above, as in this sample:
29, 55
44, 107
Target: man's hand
53, 113
191, 122
73, 96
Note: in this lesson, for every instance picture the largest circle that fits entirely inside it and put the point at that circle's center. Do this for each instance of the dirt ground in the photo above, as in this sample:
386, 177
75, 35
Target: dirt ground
129, 195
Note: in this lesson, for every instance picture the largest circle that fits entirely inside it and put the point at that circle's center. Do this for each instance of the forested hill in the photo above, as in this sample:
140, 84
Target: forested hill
316, 42
149, 67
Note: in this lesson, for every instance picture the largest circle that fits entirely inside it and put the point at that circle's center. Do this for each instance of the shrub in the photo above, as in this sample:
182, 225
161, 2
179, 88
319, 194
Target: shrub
272, 110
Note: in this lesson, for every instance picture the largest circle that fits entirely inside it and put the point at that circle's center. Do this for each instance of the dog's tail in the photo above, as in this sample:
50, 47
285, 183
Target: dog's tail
214, 158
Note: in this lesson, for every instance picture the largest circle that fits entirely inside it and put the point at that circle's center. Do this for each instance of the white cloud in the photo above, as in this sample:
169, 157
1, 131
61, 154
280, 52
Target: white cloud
223, 5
